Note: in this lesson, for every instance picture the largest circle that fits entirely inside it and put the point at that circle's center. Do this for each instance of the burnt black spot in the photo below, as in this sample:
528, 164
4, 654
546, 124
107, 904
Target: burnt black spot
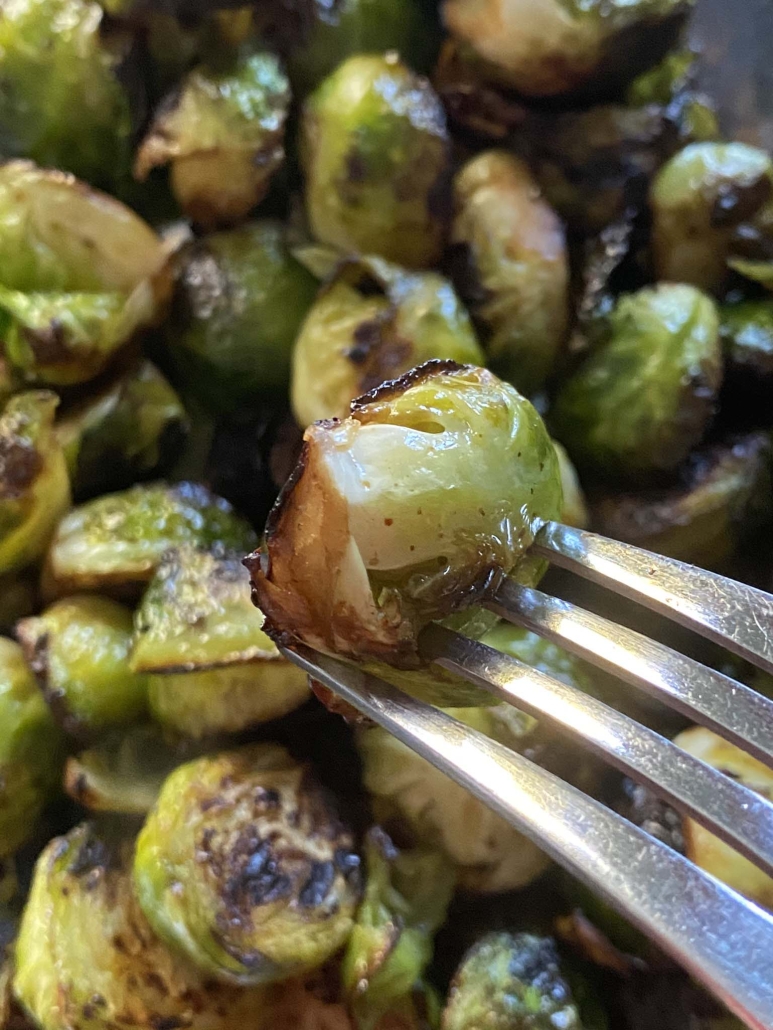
92, 857
259, 881
348, 864
318, 885
367, 338
167, 1022
156, 983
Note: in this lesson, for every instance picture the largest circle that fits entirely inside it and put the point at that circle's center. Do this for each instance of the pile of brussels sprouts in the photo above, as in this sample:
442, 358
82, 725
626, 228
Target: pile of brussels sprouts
436, 271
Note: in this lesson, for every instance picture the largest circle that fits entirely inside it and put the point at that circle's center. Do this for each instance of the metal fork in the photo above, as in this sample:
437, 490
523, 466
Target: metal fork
719, 937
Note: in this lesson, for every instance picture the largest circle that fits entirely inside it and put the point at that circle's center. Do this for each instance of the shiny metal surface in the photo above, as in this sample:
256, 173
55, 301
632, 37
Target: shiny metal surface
708, 697
719, 938
738, 815
734, 615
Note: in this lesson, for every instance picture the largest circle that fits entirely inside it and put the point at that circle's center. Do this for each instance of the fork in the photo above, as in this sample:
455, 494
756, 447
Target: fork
720, 938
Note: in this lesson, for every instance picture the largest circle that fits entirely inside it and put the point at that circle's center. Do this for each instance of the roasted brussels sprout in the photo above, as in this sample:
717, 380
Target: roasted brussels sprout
708, 851
375, 152
80, 273
242, 298
711, 203
244, 866
123, 433
367, 545
353, 340
644, 396
511, 982
31, 751
512, 266
61, 102
118, 540
574, 511
222, 130
405, 901
34, 488
725, 494
79, 651
86, 956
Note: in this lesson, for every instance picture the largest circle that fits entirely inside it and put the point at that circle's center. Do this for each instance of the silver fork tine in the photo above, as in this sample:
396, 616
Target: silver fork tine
735, 813
720, 938
704, 695
734, 615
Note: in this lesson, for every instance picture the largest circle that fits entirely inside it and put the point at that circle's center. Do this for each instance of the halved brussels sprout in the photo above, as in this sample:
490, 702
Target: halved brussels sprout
61, 101
242, 298
79, 651
222, 130
643, 398
31, 751
123, 433
708, 851
401, 513
375, 152
511, 981
86, 956
513, 266
118, 540
80, 274
244, 866
724, 496
550, 47
746, 330
574, 510
406, 897
711, 203
34, 488
353, 340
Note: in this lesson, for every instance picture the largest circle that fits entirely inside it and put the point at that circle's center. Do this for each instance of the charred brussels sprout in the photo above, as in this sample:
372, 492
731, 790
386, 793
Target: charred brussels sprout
79, 650
511, 982
61, 102
123, 433
708, 851
643, 398
222, 131
31, 752
354, 340
513, 266
34, 488
118, 540
711, 204
549, 47
244, 866
241, 300
80, 274
376, 156
367, 544
405, 901
86, 956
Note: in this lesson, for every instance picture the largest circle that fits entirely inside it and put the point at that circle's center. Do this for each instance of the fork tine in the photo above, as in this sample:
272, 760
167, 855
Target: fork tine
736, 814
720, 938
704, 695
734, 615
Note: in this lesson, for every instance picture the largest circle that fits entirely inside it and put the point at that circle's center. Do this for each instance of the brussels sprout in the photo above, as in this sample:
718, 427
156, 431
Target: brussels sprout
574, 511
244, 866
375, 152
643, 398
79, 651
708, 851
352, 341
31, 753
118, 540
123, 433
550, 47
86, 956
510, 982
61, 102
79, 274
513, 266
222, 130
709, 202
724, 496
746, 330
366, 545
242, 298
405, 901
